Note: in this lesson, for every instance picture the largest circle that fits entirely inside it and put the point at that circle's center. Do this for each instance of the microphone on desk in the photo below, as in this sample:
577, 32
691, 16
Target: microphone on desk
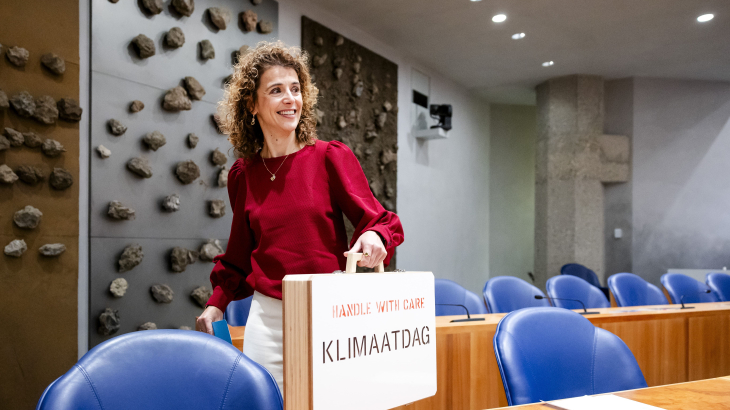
468, 317
681, 299
584, 312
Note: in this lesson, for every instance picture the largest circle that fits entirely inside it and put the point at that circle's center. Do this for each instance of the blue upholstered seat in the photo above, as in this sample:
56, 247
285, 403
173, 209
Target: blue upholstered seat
236, 313
551, 353
576, 269
720, 284
164, 369
631, 290
507, 293
693, 290
573, 287
452, 293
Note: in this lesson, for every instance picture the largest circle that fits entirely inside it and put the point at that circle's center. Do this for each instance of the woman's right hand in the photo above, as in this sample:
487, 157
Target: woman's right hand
204, 322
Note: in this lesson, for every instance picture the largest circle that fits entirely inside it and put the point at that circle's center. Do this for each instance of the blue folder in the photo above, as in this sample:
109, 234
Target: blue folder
220, 330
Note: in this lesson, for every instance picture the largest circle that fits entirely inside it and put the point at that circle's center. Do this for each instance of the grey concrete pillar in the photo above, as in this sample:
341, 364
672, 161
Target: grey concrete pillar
573, 161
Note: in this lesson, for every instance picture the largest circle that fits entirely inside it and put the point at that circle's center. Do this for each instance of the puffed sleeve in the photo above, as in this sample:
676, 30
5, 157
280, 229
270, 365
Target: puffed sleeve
351, 190
228, 277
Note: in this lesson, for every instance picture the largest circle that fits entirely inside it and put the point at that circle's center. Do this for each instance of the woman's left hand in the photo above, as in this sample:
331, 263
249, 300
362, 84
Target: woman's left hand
372, 248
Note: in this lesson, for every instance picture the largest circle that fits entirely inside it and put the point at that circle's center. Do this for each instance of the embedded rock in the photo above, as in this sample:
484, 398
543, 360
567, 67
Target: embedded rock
52, 249
147, 326
131, 257
356, 67
152, 6
29, 174
195, 90
180, 258
338, 73
61, 179
113, 1
382, 118
249, 19
16, 248
171, 203
4, 103
217, 208
319, 60
243, 50
388, 204
32, 140
256, 2
218, 158
184, 7
4, 143
18, 56
175, 38
341, 123
28, 217
319, 41
140, 166
387, 106
318, 115
389, 190
187, 171
154, 140
7, 176
176, 99
46, 111
223, 178
109, 322
192, 140
162, 293
377, 187
207, 52
136, 106
52, 148
210, 250
23, 104
220, 17
358, 88
69, 110
53, 63
340, 41
265, 26
103, 151
118, 287
201, 294
15, 138
388, 156
144, 45
117, 211
217, 123
116, 127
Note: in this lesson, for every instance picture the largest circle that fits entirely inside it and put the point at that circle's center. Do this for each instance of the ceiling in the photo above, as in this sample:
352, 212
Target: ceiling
611, 38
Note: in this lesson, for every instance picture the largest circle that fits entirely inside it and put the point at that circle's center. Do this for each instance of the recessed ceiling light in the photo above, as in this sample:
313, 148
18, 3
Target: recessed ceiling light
476, 0
705, 17
518, 36
499, 18
548, 63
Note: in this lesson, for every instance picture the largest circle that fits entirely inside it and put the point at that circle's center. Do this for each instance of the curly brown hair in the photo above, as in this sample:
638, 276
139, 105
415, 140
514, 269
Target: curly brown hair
240, 96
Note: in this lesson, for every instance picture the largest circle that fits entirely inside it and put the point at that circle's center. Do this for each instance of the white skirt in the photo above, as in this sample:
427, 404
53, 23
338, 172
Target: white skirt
263, 338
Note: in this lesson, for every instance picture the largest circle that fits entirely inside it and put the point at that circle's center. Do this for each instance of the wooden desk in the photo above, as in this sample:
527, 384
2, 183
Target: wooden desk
671, 346
710, 394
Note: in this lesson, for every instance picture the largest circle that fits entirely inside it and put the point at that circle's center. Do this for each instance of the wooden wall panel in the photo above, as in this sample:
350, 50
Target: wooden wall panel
709, 347
38, 295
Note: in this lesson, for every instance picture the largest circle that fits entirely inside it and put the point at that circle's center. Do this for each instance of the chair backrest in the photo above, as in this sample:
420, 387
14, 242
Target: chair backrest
452, 293
172, 369
505, 294
551, 353
693, 290
576, 269
573, 287
236, 313
720, 284
631, 290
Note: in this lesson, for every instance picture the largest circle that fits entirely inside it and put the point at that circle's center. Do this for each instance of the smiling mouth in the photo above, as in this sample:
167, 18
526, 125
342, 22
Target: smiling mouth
287, 112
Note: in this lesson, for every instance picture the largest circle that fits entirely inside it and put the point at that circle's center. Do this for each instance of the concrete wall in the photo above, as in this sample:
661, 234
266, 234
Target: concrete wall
443, 185
681, 146
513, 132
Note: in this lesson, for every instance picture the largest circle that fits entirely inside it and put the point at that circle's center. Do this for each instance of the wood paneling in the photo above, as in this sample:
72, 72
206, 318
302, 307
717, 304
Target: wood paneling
709, 347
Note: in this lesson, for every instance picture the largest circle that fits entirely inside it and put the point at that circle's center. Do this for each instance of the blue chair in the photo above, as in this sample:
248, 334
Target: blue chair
573, 287
694, 291
170, 369
576, 269
507, 293
631, 290
236, 313
720, 285
450, 292
551, 353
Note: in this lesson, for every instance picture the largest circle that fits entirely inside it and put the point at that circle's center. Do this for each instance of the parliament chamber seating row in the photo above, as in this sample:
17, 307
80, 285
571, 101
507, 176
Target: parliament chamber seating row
533, 344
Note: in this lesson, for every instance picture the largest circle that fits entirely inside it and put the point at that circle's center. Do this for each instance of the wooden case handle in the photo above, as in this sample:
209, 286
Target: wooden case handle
354, 258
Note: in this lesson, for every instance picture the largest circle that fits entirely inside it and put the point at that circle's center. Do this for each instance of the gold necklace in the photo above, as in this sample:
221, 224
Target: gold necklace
273, 174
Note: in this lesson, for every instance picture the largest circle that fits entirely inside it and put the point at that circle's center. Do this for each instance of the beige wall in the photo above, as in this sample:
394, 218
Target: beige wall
38, 295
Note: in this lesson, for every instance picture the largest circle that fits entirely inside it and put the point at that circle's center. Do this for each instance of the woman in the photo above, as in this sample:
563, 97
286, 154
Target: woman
288, 192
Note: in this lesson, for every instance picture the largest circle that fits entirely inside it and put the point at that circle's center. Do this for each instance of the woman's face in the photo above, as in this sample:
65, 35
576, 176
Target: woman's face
278, 100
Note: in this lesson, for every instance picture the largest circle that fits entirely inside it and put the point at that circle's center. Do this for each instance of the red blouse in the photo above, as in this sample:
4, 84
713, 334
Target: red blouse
294, 224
